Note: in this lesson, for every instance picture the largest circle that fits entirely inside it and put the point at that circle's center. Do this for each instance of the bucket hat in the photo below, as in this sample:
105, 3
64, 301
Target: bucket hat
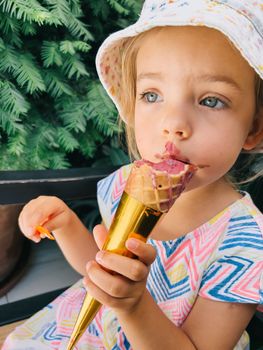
240, 20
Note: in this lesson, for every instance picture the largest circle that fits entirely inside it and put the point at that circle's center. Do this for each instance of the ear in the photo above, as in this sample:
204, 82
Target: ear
255, 136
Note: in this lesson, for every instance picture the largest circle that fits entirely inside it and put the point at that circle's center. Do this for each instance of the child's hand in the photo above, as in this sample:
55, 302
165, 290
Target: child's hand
50, 212
123, 289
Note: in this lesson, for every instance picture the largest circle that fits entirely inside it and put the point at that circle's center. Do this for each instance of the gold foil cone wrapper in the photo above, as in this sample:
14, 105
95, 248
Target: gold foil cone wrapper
148, 194
132, 219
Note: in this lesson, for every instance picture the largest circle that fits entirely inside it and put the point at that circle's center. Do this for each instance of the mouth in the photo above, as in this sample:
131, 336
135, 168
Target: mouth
172, 152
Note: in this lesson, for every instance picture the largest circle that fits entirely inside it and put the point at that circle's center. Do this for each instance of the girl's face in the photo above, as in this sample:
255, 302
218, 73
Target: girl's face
195, 90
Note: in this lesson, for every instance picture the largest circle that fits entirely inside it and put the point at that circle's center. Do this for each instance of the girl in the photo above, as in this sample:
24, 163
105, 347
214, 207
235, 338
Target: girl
188, 73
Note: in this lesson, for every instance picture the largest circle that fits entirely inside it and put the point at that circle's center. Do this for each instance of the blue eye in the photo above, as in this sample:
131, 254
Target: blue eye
150, 97
212, 102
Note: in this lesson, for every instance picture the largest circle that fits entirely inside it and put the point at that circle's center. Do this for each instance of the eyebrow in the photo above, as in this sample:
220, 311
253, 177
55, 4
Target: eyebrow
156, 76
220, 79
205, 77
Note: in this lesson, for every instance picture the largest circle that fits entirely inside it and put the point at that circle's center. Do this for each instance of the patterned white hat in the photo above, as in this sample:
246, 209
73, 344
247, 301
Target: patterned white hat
240, 20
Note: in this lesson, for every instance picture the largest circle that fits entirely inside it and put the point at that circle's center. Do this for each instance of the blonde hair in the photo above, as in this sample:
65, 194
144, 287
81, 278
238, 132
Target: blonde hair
127, 103
128, 84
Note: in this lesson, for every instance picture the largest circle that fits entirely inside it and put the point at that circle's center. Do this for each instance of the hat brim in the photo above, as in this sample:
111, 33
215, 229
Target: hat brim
236, 26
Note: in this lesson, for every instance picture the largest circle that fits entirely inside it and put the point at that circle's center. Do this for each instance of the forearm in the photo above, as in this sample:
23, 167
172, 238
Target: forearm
76, 243
148, 328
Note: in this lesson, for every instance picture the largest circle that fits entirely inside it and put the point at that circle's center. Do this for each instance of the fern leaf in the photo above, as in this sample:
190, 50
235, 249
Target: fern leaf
118, 7
11, 29
103, 10
74, 114
28, 75
88, 145
50, 54
117, 156
78, 29
70, 47
11, 100
58, 161
56, 85
17, 143
8, 59
36, 158
73, 67
10, 123
67, 47
81, 46
74, 121
71, 114
59, 9
100, 110
66, 140
29, 10
75, 7
28, 28
9, 161
42, 142
2, 45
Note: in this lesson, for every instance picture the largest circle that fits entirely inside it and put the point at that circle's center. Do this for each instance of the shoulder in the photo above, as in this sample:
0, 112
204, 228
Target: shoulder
109, 191
245, 227
234, 271
246, 208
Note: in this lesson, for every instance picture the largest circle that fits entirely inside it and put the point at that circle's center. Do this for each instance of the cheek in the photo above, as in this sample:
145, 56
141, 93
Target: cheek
146, 138
141, 140
225, 140
224, 148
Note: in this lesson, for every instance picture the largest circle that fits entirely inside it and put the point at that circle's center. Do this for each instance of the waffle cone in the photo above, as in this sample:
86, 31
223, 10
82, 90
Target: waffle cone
158, 189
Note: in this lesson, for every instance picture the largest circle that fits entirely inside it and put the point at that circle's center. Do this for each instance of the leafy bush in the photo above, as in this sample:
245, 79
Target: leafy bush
54, 113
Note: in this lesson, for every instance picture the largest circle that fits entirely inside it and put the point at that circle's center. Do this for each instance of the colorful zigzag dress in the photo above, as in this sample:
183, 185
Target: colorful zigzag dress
220, 260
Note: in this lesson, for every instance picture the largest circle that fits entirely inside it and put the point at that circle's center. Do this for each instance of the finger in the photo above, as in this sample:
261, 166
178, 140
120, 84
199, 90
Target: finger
34, 213
50, 226
145, 252
38, 211
35, 238
48, 229
132, 269
27, 230
113, 285
100, 234
98, 294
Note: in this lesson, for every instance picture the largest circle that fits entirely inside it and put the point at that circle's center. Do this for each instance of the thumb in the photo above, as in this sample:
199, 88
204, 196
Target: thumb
100, 234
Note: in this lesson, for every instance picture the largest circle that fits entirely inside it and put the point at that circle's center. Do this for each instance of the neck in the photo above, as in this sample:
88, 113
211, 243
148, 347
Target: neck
220, 193
194, 208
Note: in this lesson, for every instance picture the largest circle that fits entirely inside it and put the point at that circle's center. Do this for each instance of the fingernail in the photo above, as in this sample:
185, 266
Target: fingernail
36, 239
99, 256
89, 263
132, 243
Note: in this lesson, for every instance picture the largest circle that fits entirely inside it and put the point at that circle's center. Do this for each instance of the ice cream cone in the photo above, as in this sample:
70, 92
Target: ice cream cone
151, 183
150, 191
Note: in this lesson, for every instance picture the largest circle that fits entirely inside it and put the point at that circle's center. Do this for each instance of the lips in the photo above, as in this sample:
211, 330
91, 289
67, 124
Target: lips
172, 152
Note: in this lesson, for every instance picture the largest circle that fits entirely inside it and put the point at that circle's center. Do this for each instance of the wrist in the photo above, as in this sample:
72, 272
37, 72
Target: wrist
135, 309
69, 223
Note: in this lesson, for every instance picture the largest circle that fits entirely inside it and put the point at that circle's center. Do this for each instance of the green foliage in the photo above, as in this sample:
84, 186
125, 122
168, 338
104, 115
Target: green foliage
53, 111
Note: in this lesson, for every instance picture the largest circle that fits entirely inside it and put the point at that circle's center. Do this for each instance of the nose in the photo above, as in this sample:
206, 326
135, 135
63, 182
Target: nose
177, 127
